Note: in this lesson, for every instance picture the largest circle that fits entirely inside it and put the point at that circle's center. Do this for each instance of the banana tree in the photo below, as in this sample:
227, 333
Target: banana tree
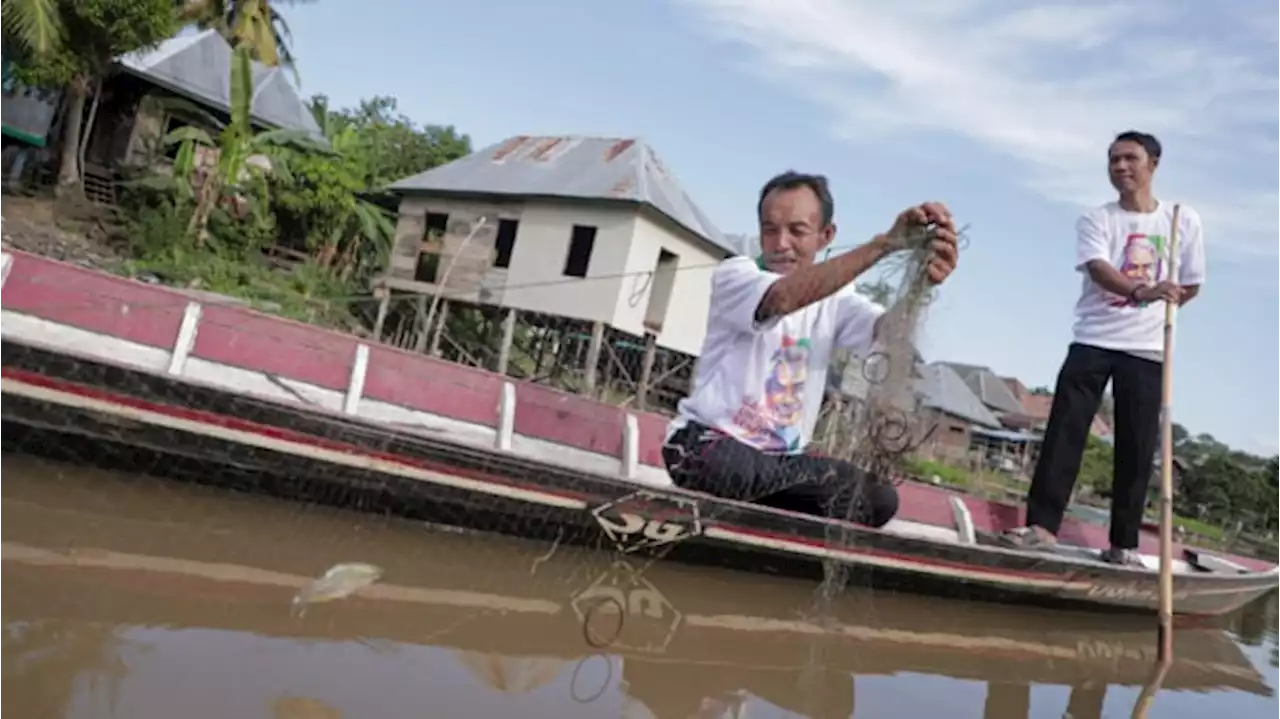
240, 151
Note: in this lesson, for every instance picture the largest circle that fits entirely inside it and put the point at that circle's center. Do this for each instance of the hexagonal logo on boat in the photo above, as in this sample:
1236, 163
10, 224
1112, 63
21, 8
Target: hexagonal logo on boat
648, 520
623, 609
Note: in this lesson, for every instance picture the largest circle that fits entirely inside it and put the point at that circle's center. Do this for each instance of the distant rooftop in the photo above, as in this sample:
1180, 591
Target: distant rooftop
198, 66
587, 168
991, 389
945, 391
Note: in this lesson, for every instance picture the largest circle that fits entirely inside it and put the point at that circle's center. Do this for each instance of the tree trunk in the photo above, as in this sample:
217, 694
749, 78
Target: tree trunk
88, 127
69, 166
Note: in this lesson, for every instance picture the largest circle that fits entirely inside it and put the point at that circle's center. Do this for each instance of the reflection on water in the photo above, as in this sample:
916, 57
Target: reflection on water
128, 597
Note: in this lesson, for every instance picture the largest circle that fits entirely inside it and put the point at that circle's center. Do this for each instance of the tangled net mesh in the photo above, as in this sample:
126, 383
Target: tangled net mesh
877, 433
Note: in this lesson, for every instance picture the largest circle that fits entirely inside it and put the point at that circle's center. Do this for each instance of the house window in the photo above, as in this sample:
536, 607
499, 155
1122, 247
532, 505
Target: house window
432, 245
437, 225
505, 243
581, 243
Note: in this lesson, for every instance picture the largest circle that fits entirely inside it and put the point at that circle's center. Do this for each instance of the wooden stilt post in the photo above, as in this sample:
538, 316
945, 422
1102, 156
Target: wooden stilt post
422, 324
593, 356
384, 304
439, 328
508, 335
646, 370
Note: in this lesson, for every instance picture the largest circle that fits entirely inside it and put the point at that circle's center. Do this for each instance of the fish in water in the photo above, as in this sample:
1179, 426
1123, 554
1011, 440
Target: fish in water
342, 580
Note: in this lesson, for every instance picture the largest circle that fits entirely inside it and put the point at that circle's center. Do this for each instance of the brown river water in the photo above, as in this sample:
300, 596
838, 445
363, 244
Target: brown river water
125, 596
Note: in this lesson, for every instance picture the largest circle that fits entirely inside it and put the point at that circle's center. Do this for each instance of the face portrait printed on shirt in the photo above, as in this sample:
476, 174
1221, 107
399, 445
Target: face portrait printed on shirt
773, 422
1141, 261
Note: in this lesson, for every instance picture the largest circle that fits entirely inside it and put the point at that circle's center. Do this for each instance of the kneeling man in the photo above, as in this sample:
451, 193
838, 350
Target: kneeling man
772, 325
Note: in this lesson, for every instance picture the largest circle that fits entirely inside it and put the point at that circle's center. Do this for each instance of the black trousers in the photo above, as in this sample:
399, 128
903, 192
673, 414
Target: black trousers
703, 460
1137, 392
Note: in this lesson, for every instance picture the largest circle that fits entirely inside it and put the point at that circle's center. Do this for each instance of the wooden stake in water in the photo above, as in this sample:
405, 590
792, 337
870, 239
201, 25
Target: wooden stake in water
1150, 689
1166, 459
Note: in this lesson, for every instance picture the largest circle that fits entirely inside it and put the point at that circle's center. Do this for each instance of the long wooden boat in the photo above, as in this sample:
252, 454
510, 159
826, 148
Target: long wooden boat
143, 556
124, 371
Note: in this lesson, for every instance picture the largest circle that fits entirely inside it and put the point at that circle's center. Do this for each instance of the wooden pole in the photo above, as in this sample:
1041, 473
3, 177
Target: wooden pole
508, 336
384, 303
1149, 690
646, 370
593, 356
441, 322
442, 282
422, 322
1165, 652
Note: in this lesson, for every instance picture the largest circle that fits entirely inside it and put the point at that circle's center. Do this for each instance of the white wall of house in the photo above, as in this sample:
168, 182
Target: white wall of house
614, 290
536, 279
685, 320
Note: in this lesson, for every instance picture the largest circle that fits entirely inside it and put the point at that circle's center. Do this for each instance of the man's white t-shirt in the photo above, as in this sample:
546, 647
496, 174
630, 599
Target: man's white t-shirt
1137, 244
763, 384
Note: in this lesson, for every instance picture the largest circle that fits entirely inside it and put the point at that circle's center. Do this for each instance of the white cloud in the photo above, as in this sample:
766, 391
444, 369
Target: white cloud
1048, 85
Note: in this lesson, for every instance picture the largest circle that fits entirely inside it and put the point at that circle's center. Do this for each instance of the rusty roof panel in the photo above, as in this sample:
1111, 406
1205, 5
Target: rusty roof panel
507, 147
574, 167
545, 147
617, 148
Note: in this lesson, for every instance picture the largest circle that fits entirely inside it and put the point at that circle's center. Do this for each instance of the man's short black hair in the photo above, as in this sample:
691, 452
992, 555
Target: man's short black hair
1148, 142
791, 180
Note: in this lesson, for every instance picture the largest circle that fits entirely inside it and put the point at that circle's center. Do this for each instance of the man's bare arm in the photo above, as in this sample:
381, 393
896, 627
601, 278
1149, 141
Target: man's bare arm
820, 280
1110, 279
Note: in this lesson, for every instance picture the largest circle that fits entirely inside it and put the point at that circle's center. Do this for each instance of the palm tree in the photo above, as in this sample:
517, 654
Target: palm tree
36, 24
255, 25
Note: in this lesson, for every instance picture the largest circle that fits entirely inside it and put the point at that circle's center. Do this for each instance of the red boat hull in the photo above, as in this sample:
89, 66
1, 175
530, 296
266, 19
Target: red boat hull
180, 376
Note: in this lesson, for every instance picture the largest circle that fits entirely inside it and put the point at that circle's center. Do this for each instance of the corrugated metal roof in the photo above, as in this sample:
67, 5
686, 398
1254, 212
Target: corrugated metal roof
199, 67
589, 168
945, 391
989, 388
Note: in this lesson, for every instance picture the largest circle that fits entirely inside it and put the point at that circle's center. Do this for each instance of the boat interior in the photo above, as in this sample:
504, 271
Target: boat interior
1192, 561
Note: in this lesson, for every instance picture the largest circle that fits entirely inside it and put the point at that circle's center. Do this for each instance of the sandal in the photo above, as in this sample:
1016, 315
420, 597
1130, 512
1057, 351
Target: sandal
1028, 538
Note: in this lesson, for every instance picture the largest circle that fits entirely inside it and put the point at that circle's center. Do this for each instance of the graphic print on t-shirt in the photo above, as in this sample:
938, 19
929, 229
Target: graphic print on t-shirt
1142, 260
773, 422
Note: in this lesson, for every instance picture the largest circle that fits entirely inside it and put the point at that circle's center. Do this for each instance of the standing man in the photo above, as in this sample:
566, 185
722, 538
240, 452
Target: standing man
771, 326
1122, 251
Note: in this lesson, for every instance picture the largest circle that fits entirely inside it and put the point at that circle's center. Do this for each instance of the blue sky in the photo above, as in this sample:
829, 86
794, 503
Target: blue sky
1002, 110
